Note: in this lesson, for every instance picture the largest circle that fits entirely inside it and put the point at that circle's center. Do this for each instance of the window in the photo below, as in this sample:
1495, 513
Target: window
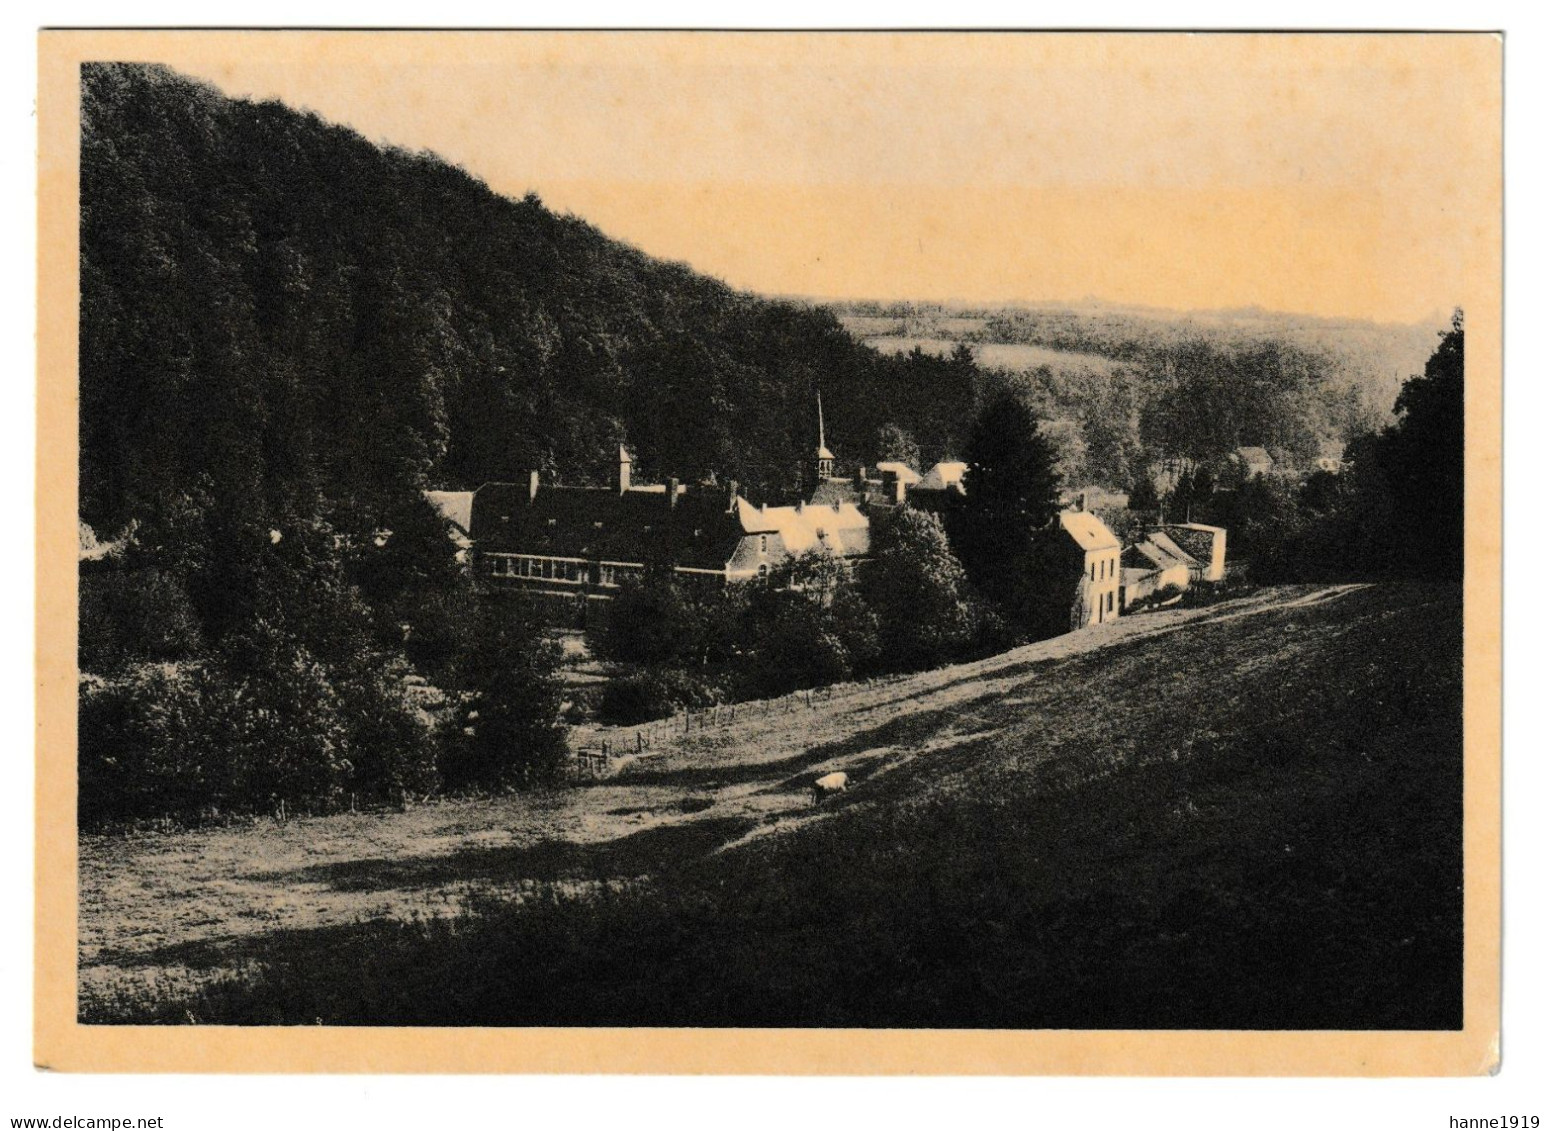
1094, 571
763, 543
763, 571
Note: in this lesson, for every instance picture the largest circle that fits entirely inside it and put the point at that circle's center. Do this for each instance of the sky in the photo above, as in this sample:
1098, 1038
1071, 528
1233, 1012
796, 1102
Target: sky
1350, 175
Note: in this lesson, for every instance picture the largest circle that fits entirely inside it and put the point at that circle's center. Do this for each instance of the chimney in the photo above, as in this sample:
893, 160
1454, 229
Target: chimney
1081, 501
672, 493
860, 477
532, 486
731, 494
799, 506
624, 462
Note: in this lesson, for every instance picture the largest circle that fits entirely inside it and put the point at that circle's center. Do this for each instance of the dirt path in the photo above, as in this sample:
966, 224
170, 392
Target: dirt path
168, 908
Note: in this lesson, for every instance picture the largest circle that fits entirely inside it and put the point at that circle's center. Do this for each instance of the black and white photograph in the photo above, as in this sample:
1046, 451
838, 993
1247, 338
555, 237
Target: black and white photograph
782, 531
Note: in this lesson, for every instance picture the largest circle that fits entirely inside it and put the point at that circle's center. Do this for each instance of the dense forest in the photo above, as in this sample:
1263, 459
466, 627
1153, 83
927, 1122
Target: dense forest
288, 318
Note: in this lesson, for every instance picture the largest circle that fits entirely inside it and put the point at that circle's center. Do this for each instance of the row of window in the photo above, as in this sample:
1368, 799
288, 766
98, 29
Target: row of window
570, 571
1105, 568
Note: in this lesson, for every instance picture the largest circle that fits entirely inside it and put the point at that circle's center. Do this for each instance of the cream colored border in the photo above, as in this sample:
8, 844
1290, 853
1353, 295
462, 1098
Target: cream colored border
62, 1044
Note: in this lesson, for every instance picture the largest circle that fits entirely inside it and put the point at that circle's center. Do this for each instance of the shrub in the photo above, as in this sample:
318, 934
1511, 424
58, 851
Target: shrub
653, 693
139, 753
393, 747
510, 734
805, 626
648, 622
274, 724
134, 614
262, 724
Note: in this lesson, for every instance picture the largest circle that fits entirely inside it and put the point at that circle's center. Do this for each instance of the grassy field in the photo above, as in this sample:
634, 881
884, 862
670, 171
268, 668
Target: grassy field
1010, 356
1242, 816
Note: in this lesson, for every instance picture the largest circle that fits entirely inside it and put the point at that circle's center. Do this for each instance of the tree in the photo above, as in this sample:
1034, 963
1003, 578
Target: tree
134, 614
1422, 458
411, 552
512, 700
919, 592
806, 625
1012, 491
897, 444
272, 726
1190, 498
649, 621
1143, 498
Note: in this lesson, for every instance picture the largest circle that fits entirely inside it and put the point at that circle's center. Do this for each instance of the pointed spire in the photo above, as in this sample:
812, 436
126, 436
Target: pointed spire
825, 457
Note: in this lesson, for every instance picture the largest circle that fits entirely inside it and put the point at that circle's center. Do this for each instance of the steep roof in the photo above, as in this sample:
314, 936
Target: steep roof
948, 473
1170, 548
1157, 552
840, 528
454, 506
605, 524
905, 473
702, 530
1088, 531
1195, 538
831, 491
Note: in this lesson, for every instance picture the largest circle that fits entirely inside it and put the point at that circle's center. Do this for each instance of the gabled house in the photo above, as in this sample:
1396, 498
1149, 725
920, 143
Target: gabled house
1089, 553
1253, 461
1205, 544
1152, 565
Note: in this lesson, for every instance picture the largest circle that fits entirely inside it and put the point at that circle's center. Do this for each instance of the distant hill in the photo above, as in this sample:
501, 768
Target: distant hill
278, 316
1376, 356
1127, 374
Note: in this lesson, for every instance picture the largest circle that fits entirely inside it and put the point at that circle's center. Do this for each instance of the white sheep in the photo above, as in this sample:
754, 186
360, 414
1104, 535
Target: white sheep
829, 784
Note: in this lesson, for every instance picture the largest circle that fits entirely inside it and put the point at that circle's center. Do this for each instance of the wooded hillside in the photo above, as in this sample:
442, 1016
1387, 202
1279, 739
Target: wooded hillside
280, 318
